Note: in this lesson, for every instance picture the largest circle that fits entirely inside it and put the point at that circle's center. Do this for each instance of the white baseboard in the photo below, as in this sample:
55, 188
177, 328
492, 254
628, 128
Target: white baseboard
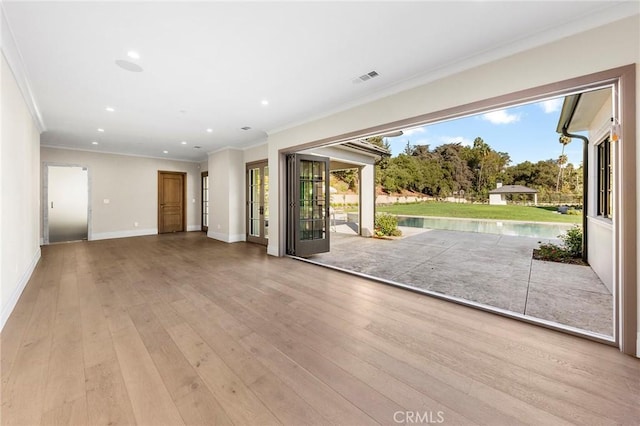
638, 345
227, 238
123, 234
15, 295
191, 228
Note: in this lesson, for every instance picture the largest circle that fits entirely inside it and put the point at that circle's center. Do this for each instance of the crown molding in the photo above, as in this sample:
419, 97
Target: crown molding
12, 55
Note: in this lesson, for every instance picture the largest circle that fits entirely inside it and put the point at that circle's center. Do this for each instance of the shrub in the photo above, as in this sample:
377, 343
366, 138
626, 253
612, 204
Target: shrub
386, 225
572, 240
552, 252
574, 212
571, 247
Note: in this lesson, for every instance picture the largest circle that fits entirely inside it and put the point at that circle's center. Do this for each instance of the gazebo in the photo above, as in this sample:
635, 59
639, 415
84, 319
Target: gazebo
497, 196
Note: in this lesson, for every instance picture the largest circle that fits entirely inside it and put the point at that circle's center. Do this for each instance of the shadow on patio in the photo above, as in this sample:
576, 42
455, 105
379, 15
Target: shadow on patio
494, 270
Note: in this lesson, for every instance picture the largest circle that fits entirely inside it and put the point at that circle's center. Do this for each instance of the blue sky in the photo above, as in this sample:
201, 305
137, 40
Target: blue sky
526, 132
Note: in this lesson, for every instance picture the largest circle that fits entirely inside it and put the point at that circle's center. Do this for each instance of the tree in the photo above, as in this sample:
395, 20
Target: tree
422, 152
564, 140
456, 174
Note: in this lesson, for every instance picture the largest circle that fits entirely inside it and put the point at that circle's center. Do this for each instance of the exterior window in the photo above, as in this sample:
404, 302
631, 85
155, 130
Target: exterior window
605, 179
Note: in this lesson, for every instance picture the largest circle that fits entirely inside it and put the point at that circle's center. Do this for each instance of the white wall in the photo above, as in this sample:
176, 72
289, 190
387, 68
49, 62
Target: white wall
131, 186
227, 195
256, 153
20, 193
600, 242
600, 251
610, 46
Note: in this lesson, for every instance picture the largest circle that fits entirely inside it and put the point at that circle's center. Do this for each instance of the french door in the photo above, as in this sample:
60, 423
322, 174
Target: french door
307, 204
258, 202
204, 184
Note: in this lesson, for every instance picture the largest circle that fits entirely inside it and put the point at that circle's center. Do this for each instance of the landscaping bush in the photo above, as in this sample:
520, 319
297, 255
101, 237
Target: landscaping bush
572, 240
386, 225
569, 252
552, 252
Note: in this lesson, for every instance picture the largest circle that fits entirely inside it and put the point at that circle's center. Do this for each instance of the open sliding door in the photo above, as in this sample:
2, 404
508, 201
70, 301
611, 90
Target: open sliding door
307, 204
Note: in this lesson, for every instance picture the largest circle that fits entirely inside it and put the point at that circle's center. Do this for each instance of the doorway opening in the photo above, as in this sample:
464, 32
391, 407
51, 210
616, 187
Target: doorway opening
171, 202
66, 213
592, 109
258, 202
345, 198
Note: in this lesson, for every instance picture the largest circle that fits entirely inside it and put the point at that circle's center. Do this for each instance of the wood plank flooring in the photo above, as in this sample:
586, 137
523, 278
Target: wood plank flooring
180, 329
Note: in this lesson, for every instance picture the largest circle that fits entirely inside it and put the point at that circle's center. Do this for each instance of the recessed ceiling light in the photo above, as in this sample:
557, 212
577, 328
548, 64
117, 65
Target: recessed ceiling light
101, 130
183, 142
265, 102
133, 54
94, 143
128, 65
165, 152
209, 130
110, 109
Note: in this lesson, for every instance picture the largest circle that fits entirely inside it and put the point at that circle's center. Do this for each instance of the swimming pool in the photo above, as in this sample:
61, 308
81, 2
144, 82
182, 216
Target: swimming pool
488, 226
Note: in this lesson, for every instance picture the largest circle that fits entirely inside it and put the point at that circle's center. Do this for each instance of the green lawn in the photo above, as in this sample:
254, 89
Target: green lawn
481, 211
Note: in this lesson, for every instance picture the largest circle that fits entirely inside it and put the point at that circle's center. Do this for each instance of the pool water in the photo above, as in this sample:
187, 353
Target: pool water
488, 226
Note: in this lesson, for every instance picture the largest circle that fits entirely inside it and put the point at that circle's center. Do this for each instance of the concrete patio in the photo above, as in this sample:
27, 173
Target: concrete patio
494, 270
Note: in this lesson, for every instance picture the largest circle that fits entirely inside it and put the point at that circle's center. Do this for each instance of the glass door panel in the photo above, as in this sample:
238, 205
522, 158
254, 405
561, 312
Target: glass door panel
205, 201
308, 218
257, 202
265, 201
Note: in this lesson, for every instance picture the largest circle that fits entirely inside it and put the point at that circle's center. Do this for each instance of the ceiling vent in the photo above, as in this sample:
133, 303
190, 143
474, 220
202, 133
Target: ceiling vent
197, 147
365, 77
246, 128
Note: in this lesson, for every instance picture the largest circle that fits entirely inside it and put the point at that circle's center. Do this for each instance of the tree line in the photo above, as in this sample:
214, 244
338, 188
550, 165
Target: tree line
453, 169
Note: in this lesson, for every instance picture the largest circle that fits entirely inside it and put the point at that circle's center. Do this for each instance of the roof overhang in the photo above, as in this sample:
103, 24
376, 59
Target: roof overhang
513, 189
367, 148
579, 110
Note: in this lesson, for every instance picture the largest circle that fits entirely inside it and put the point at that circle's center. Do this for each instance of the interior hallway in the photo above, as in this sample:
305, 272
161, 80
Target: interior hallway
179, 328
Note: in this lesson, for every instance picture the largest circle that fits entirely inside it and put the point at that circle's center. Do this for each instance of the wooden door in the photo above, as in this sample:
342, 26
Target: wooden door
171, 202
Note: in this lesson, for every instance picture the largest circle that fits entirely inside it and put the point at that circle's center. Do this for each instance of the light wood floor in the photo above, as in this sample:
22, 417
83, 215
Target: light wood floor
181, 329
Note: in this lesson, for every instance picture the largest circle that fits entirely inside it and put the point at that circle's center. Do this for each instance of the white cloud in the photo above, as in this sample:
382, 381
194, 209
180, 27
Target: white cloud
550, 106
500, 117
456, 139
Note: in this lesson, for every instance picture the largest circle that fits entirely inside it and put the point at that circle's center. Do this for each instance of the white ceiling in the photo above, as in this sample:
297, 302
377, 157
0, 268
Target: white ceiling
210, 64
